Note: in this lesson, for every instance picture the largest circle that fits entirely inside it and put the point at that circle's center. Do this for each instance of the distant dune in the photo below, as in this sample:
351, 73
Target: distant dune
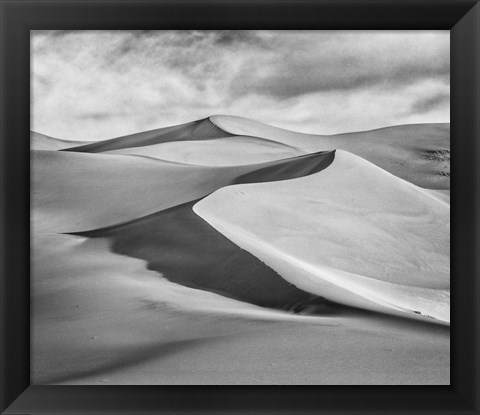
419, 153
227, 151
196, 130
44, 142
227, 251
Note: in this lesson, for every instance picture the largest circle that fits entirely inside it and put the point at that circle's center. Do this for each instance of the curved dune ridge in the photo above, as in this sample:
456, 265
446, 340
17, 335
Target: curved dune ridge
419, 153
227, 151
351, 233
195, 130
244, 126
186, 250
99, 191
223, 236
76, 192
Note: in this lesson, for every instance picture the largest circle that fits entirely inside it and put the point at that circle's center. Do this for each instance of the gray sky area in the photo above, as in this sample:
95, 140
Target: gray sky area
91, 85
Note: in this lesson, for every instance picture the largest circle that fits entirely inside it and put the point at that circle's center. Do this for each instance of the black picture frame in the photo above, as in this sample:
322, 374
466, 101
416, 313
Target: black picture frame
18, 17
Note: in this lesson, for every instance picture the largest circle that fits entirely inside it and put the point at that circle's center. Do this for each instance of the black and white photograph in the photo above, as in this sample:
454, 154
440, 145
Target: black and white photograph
240, 207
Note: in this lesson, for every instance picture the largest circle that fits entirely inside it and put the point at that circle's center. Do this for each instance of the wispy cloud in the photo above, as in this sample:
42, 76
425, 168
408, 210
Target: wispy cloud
102, 84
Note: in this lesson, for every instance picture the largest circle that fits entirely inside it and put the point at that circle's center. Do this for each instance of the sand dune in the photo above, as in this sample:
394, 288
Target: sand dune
224, 251
185, 249
227, 151
76, 192
196, 130
103, 319
88, 303
44, 142
353, 234
419, 153
244, 126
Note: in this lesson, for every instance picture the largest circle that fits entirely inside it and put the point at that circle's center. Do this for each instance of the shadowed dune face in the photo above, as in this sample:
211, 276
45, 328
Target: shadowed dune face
75, 192
352, 233
196, 130
166, 271
396, 230
102, 319
402, 150
95, 312
407, 151
185, 249
297, 167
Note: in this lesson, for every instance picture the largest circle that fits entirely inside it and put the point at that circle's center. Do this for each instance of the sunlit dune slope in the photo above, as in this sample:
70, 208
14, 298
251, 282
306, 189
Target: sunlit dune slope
44, 142
225, 251
75, 192
225, 151
244, 126
352, 233
195, 130
185, 249
419, 153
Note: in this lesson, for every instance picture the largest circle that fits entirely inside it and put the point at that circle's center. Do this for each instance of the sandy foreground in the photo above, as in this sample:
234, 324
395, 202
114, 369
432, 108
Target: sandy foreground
224, 251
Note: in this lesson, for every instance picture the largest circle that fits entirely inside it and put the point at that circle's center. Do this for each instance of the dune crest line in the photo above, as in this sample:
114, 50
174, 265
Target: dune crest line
100, 190
198, 242
307, 240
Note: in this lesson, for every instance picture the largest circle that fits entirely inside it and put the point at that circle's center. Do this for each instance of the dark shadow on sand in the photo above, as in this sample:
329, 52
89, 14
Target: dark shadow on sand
186, 250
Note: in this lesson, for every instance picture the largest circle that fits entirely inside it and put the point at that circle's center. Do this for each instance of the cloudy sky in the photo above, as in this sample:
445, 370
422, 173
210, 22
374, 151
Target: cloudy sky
90, 85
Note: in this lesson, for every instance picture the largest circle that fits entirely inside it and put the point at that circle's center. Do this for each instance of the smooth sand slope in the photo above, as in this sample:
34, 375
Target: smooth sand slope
419, 153
199, 142
185, 249
196, 130
203, 253
44, 142
103, 319
75, 192
352, 233
227, 151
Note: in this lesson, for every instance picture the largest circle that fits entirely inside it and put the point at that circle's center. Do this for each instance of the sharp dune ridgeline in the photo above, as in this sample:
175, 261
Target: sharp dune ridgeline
227, 251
